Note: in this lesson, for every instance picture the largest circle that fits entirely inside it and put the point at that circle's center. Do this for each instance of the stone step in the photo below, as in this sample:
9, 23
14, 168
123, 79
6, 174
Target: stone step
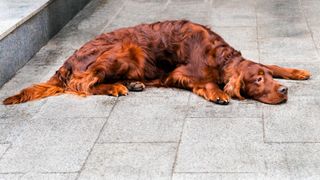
26, 26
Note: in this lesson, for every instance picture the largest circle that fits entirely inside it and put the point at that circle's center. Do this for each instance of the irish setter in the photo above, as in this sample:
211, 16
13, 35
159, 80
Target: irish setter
177, 54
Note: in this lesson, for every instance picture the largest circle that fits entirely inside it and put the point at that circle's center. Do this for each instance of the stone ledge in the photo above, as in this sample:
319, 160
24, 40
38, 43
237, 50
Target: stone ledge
21, 37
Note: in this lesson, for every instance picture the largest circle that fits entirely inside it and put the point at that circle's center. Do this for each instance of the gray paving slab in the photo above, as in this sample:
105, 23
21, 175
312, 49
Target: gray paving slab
220, 145
140, 118
101, 14
17, 113
315, 30
130, 161
311, 10
212, 150
132, 13
72, 38
51, 145
76, 107
289, 49
278, 8
233, 13
291, 161
51, 55
5, 131
251, 54
8, 132
297, 121
177, 10
10, 176
207, 176
281, 161
35, 176
241, 38
282, 27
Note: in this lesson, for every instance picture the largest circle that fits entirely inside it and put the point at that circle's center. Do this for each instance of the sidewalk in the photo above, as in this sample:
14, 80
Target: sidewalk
170, 133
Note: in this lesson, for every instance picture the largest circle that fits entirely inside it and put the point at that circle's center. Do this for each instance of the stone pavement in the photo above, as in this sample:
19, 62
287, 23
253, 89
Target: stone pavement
171, 133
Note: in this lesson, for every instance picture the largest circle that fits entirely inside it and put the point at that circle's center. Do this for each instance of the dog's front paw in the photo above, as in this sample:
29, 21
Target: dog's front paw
219, 97
299, 74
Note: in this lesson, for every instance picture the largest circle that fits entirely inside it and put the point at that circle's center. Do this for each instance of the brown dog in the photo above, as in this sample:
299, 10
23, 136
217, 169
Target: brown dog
178, 54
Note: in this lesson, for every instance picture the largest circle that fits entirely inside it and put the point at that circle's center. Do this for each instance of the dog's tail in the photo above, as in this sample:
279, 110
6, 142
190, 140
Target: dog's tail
56, 85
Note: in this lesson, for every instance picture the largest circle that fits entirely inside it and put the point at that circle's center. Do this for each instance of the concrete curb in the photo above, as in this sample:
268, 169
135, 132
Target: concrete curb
19, 44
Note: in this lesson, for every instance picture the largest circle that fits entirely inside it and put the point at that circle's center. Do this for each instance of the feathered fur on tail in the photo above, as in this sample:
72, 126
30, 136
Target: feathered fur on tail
36, 91
55, 86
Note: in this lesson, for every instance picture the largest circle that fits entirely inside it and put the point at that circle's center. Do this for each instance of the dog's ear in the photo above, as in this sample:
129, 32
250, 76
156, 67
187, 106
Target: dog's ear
234, 85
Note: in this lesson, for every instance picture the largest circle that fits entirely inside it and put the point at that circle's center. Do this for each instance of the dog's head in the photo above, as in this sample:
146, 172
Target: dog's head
253, 80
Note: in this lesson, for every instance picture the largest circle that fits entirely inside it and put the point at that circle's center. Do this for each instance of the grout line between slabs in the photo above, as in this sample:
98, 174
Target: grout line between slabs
263, 128
291, 142
257, 31
212, 117
166, 5
12, 173
71, 172
95, 142
142, 142
10, 145
215, 172
309, 28
62, 172
179, 142
113, 18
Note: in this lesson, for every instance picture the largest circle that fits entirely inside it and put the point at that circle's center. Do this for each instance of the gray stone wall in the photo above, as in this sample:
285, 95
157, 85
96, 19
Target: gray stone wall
22, 43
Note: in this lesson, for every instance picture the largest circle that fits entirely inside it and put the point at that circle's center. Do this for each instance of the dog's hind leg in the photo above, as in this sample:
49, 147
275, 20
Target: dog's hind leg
117, 89
179, 79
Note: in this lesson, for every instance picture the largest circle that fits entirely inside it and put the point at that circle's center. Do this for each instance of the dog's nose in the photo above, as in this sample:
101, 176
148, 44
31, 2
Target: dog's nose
283, 90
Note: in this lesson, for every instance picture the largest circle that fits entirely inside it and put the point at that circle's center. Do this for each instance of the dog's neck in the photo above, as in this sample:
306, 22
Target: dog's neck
227, 64
225, 58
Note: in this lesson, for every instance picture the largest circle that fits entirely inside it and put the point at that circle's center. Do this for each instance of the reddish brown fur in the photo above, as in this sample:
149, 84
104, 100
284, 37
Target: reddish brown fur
178, 54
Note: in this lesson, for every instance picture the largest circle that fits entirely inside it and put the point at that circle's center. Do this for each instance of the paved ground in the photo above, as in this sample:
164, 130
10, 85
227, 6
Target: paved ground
170, 133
